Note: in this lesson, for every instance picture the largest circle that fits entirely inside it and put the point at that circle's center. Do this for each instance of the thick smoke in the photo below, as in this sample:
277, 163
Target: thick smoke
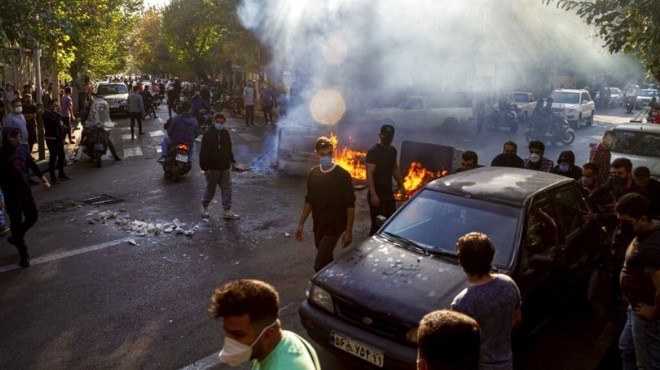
373, 52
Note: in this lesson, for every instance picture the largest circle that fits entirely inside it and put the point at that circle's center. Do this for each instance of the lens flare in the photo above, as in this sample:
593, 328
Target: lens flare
327, 106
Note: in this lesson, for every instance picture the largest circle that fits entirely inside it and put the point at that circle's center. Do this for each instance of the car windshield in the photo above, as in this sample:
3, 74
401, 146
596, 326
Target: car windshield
565, 97
111, 89
641, 143
520, 98
434, 221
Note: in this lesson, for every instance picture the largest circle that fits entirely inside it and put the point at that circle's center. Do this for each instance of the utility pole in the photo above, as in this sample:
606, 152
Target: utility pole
38, 98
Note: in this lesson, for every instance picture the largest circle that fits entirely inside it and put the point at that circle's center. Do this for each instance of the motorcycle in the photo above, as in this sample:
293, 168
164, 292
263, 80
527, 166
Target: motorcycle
560, 132
176, 163
221, 102
506, 117
96, 142
236, 106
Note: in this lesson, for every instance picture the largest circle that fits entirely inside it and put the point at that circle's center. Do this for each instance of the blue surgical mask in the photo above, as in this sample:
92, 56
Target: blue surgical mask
563, 167
325, 160
219, 126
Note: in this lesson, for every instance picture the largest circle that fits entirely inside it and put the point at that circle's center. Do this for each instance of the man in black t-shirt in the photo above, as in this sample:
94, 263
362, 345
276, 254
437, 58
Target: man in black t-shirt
331, 201
382, 165
640, 281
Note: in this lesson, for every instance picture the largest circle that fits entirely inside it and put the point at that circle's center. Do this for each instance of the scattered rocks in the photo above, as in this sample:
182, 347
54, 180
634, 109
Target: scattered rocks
141, 227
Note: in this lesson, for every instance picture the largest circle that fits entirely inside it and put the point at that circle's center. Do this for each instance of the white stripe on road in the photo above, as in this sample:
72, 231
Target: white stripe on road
126, 137
132, 152
205, 363
156, 133
71, 253
249, 137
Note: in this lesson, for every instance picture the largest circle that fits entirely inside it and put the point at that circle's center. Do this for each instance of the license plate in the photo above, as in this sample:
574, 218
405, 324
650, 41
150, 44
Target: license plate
181, 158
357, 349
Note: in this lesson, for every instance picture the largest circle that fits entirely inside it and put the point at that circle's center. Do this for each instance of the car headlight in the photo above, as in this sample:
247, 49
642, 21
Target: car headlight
319, 297
411, 335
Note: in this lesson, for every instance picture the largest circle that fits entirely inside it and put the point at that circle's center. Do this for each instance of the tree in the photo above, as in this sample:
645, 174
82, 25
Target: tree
629, 26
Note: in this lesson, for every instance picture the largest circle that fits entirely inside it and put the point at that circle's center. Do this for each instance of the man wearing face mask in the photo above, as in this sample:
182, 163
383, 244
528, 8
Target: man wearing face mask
19, 202
639, 342
217, 160
15, 119
620, 184
566, 166
382, 165
253, 331
536, 160
331, 201
651, 186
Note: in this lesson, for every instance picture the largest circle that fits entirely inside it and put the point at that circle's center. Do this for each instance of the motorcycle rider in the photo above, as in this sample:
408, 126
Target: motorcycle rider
182, 130
95, 116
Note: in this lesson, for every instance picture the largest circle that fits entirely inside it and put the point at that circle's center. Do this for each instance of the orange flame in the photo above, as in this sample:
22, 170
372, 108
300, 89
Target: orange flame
350, 160
417, 177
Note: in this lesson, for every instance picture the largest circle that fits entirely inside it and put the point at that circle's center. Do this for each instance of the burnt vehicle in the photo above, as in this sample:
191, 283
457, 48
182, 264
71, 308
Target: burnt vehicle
365, 307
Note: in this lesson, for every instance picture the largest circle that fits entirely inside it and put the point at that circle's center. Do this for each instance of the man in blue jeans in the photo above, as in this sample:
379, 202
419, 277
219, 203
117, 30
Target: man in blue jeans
331, 201
640, 282
4, 229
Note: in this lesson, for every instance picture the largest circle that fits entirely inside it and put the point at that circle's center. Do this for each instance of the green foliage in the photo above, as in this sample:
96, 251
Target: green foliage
629, 26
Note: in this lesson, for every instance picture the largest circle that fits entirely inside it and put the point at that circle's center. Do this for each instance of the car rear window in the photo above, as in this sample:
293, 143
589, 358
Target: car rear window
435, 220
642, 143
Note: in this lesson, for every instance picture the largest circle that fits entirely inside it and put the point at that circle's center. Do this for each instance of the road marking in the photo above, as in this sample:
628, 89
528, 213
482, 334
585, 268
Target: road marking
205, 363
126, 136
249, 137
132, 152
57, 256
156, 133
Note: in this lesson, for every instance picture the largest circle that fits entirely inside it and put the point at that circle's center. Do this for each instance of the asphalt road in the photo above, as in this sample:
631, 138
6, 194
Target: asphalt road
99, 296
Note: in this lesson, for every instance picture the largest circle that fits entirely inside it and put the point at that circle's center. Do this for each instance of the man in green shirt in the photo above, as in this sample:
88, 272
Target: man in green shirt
253, 331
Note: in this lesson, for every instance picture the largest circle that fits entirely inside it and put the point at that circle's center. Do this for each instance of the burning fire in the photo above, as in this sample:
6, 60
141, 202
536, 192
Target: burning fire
350, 160
353, 162
417, 177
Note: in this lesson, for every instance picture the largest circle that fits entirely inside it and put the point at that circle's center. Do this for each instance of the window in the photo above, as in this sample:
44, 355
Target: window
642, 143
569, 211
541, 234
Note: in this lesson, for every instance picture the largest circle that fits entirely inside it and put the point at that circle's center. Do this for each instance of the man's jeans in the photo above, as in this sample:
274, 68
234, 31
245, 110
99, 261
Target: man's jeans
2, 213
165, 147
325, 246
639, 343
215, 178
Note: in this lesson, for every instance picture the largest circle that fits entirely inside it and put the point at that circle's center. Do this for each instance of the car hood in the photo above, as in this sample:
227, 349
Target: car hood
645, 98
389, 279
115, 96
565, 106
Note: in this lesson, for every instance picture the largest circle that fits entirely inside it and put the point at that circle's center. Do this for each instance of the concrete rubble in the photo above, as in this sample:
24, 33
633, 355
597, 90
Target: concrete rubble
141, 227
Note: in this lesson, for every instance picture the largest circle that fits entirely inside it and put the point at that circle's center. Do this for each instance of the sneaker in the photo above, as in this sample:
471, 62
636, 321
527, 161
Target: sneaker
204, 211
229, 215
4, 229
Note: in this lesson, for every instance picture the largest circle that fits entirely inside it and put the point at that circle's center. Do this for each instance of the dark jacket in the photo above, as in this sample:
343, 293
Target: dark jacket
183, 129
53, 126
216, 152
14, 164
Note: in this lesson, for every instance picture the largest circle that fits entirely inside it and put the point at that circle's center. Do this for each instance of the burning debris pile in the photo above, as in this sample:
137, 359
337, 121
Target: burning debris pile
141, 227
417, 177
350, 160
353, 161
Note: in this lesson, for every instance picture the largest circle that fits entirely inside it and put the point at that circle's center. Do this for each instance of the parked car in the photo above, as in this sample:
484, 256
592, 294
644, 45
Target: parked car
638, 142
366, 305
116, 94
573, 105
616, 96
644, 97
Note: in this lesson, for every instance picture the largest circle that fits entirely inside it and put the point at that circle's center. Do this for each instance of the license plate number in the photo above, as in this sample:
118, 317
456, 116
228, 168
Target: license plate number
181, 158
357, 349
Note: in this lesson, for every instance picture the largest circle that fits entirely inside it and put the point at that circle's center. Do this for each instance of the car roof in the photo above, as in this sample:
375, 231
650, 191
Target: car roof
570, 90
635, 126
511, 186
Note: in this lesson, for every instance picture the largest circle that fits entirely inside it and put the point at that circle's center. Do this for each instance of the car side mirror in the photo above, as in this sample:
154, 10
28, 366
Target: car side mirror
540, 262
380, 220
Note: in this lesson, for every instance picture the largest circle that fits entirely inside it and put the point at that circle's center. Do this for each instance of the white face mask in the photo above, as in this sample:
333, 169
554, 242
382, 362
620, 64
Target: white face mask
235, 353
182, 98
534, 157
18, 109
